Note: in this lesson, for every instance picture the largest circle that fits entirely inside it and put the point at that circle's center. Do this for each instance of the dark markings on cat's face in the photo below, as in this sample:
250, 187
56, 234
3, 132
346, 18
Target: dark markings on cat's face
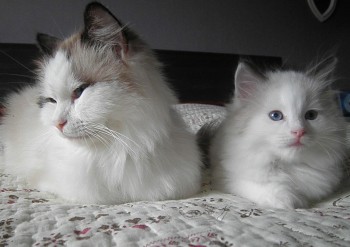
79, 91
42, 101
47, 44
75, 95
96, 54
102, 27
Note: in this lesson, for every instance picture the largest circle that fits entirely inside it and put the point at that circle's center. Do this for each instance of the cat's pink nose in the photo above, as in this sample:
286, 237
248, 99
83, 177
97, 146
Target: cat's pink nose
299, 133
60, 125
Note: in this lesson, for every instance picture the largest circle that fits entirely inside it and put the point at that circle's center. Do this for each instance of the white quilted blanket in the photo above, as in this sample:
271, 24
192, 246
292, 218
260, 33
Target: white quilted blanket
32, 218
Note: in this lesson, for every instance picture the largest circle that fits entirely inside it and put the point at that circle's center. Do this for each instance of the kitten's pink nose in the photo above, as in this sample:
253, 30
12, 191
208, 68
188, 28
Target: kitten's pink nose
60, 125
299, 133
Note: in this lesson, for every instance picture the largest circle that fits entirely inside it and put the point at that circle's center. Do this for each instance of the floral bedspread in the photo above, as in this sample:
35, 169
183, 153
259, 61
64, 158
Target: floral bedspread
32, 218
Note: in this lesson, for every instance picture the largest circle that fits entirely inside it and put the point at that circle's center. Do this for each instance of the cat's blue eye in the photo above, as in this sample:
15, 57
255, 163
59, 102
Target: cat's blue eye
276, 115
79, 91
311, 115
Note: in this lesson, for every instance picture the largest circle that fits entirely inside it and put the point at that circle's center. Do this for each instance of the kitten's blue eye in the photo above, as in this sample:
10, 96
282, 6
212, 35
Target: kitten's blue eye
311, 115
79, 91
276, 115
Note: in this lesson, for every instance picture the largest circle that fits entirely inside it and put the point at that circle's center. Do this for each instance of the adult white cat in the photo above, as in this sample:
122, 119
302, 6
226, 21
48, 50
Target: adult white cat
103, 130
283, 142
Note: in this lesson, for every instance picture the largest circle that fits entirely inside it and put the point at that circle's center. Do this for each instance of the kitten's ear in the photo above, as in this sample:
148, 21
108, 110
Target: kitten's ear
246, 80
47, 44
323, 70
101, 26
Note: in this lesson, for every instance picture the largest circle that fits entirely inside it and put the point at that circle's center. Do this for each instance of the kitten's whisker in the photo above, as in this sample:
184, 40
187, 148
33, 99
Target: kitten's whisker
325, 149
330, 151
333, 140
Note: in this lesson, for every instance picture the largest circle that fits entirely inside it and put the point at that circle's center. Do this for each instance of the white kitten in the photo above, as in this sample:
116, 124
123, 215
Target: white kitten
104, 130
283, 141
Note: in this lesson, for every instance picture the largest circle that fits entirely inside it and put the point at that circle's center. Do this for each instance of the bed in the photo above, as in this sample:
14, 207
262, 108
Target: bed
29, 217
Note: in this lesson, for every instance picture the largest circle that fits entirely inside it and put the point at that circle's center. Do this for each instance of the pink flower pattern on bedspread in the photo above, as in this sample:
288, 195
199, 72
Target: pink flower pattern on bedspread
29, 217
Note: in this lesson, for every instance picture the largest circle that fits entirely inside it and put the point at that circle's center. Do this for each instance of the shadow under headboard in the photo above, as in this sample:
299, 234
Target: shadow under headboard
197, 77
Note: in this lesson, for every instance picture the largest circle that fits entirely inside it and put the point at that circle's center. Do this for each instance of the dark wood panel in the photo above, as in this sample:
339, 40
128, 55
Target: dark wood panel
17, 66
195, 76
206, 77
199, 77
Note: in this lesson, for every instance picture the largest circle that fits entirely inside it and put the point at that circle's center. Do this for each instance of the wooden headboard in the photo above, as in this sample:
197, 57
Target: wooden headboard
197, 77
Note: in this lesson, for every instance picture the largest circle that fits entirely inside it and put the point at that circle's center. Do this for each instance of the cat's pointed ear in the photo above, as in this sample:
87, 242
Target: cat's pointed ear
246, 80
323, 70
101, 26
47, 44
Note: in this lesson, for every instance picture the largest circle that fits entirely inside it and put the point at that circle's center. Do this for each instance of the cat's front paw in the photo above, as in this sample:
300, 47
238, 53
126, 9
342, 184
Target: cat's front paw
283, 200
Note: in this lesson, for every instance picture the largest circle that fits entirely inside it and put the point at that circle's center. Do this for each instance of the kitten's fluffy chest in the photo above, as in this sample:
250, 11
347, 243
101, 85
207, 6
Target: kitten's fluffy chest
278, 165
298, 171
282, 144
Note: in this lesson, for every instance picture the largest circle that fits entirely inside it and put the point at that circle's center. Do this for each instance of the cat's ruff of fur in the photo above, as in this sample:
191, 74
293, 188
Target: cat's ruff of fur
255, 157
120, 139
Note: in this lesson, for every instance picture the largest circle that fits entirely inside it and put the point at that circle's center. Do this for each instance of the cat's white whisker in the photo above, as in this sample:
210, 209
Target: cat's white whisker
19, 75
18, 62
115, 135
92, 133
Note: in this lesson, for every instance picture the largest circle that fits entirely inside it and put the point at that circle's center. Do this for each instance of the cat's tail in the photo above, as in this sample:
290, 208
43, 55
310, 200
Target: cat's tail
205, 136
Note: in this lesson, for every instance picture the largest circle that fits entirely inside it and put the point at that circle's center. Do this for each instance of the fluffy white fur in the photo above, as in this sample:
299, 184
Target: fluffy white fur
121, 141
261, 159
